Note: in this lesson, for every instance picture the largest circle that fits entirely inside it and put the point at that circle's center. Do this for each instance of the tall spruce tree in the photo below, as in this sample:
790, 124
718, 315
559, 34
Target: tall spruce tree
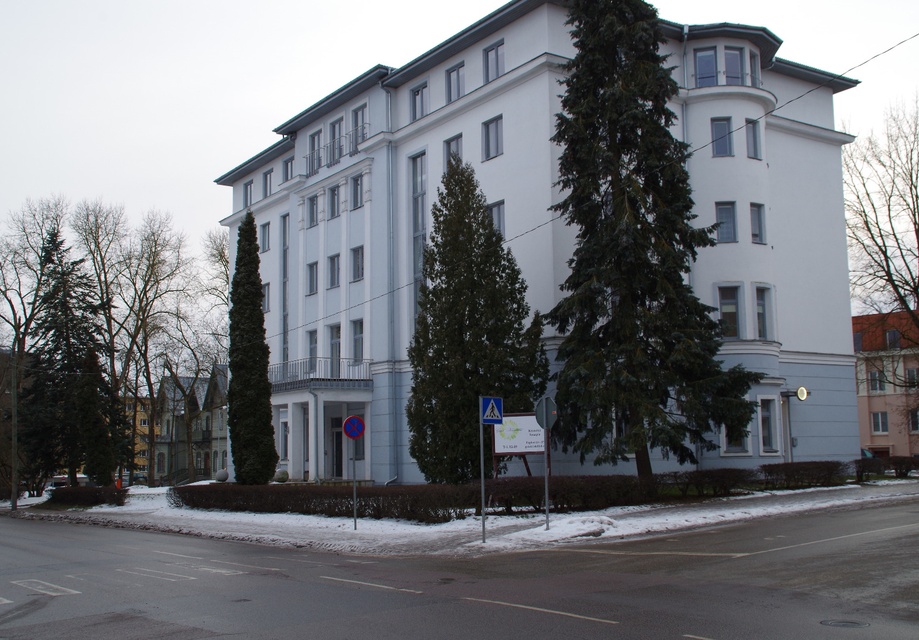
639, 352
470, 334
68, 408
249, 391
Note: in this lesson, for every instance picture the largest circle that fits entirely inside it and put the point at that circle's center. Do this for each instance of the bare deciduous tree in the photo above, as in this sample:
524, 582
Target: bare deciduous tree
882, 206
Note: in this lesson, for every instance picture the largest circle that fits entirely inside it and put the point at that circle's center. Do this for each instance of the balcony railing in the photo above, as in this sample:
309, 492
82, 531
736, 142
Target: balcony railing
320, 372
331, 153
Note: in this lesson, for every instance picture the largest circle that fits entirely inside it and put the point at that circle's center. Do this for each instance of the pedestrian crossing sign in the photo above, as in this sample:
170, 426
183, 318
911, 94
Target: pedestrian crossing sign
491, 410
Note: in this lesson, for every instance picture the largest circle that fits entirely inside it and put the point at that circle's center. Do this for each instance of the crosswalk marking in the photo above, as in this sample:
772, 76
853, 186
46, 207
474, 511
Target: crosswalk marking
162, 575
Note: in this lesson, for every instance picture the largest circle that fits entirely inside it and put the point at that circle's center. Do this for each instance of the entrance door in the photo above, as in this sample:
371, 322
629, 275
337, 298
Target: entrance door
337, 449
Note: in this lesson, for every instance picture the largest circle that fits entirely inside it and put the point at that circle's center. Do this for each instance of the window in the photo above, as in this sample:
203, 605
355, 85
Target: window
757, 223
733, 65
266, 289
288, 169
419, 101
312, 278
877, 381
357, 263
335, 141
453, 147
263, 237
419, 212
357, 340
312, 211
738, 443
357, 192
247, 194
497, 215
312, 350
266, 183
754, 70
335, 350
722, 143
456, 83
334, 271
762, 313
358, 126
359, 449
912, 378
145, 422
729, 311
706, 67
912, 418
892, 339
767, 430
314, 159
753, 149
857, 341
332, 202
879, 422
725, 217
494, 61
492, 138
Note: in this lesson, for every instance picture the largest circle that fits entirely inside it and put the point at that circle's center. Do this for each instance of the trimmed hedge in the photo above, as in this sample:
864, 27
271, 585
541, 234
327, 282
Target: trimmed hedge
421, 503
87, 496
866, 467
436, 503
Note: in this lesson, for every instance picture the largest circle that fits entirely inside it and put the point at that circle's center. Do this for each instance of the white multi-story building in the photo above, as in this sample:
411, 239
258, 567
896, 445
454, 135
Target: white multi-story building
342, 203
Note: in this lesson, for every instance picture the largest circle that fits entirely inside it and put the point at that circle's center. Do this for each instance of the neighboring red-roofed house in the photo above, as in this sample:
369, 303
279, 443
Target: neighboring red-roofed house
887, 376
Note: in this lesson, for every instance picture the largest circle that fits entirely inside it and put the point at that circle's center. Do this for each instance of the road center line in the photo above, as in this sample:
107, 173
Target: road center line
656, 553
541, 610
806, 544
370, 584
239, 564
150, 573
177, 555
45, 587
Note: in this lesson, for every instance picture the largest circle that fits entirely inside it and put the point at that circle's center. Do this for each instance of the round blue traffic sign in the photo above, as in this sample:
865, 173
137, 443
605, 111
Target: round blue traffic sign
353, 427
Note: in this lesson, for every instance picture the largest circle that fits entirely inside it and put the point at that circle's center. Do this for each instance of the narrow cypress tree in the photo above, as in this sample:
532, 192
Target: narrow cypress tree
639, 356
249, 391
470, 337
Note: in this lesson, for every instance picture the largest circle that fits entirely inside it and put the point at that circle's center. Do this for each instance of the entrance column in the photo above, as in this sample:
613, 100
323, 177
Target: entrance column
295, 455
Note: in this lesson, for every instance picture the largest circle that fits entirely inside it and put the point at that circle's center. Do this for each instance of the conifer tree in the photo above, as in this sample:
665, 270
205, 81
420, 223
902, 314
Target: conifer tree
639, 352
249, 392
68, 408
470, 334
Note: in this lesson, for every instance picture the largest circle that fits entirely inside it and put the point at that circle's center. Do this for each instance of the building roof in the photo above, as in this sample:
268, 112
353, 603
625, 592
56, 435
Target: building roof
767, 42
874, 327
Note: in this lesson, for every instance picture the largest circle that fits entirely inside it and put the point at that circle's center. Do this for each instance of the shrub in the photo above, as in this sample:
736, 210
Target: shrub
902, 465
717, 482
87, 496
799, 475
866, 467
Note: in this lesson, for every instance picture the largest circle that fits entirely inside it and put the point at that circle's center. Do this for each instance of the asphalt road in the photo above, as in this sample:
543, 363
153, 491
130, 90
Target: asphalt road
843, 574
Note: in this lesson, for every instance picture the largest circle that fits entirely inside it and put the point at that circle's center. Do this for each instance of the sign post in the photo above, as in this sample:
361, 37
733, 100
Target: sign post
491, 411
354, 429
546, 415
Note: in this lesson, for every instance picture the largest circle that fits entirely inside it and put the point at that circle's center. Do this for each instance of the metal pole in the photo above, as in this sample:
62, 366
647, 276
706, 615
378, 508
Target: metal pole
482, 471
546, 434
14, 448
354, 478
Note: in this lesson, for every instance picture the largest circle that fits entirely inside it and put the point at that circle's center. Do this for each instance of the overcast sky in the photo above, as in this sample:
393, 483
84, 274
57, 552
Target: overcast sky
145, 102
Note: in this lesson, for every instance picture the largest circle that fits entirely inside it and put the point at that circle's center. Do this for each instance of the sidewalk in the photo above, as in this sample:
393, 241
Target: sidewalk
148, 509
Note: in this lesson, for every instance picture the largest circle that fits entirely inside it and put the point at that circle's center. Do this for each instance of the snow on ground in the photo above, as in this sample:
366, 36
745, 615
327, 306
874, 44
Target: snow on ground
148, 509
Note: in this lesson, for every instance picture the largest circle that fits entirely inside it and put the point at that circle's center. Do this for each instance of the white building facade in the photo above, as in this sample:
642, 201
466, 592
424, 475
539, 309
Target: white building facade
342, 204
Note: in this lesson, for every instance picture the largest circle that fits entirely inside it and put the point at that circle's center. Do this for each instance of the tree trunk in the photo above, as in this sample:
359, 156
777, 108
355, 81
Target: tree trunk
645, 473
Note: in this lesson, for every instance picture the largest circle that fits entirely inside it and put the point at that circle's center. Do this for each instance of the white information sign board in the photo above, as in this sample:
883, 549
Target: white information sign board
519, 434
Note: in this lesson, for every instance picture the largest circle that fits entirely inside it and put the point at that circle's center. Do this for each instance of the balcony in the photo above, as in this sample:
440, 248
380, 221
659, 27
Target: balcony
320, 373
